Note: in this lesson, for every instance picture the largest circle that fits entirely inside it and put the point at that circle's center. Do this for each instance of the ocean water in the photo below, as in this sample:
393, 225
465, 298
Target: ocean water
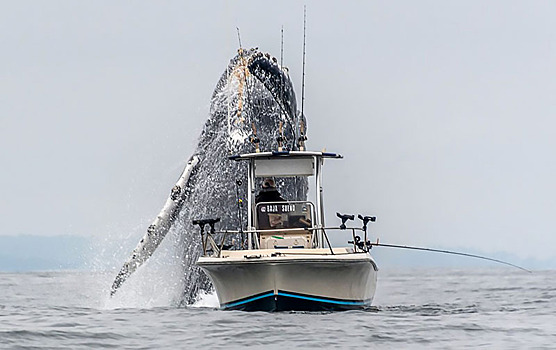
495, 308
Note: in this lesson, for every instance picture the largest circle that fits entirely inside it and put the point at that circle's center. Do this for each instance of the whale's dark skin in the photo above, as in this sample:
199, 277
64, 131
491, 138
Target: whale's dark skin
253, 96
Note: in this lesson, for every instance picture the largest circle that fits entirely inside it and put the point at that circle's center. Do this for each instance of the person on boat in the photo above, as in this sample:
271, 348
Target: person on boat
269, 193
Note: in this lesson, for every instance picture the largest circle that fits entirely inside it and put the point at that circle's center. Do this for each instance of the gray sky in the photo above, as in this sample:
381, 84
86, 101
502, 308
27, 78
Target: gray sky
444, 112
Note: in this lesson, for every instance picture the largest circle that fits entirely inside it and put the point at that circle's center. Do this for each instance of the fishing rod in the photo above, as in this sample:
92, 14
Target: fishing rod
366, 245
377, 244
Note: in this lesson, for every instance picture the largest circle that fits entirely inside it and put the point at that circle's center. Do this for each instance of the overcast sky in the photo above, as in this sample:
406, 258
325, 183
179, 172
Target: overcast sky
444, 111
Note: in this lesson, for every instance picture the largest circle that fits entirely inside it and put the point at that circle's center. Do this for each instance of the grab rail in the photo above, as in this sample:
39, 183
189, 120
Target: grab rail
209, 241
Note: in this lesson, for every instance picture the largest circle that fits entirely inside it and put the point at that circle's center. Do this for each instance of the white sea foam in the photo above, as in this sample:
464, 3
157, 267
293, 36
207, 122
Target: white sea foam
205, 299
158, 283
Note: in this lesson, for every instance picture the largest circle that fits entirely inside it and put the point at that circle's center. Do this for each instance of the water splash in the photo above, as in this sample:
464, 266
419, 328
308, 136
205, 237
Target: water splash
207, 300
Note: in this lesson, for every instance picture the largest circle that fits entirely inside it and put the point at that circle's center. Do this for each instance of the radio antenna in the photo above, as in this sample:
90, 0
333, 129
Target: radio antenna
301, 133
238, 37
281, 134
282, 48
303, 74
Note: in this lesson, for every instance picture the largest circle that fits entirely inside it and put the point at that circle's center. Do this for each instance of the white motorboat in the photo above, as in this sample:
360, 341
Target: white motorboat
287, 261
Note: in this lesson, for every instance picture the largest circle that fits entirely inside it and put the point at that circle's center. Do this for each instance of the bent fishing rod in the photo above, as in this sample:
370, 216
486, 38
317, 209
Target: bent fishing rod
370, 244
367, 245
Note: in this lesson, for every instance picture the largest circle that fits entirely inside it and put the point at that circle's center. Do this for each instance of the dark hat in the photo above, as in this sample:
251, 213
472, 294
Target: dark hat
268, 183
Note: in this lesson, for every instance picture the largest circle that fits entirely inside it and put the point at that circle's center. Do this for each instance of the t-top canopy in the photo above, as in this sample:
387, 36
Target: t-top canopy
285, 154
284, 164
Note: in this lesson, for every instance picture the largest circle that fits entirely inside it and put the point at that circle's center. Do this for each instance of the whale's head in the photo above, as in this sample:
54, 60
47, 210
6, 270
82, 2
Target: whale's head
255, 99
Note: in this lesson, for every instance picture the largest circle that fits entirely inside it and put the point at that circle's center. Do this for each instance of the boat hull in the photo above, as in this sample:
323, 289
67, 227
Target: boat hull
278, 281
287, 301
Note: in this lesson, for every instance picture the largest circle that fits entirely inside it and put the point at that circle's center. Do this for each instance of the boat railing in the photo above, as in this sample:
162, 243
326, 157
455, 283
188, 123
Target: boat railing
210, 244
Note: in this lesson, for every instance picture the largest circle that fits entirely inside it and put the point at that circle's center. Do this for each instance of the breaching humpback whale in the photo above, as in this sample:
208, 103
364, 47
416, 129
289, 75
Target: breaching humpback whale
253, 107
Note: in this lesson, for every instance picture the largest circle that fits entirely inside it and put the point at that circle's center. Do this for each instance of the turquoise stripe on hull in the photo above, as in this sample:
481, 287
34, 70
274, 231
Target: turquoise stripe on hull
237, 303
324, 300
282, 301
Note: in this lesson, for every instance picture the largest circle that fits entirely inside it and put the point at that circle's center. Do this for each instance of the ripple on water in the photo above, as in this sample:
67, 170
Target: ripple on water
406, 315
431, 309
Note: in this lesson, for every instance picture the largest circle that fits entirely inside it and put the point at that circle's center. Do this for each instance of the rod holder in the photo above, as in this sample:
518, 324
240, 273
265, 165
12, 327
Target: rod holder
344, 218
366, 220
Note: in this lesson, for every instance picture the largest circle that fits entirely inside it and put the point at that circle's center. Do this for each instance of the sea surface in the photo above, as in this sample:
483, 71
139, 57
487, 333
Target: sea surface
494, 308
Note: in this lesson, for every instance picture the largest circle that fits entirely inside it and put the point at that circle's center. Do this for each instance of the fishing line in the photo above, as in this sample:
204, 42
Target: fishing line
447, 252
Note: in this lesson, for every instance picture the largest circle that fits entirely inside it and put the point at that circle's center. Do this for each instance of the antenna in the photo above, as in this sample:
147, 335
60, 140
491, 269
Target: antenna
238, 37
282, 48
303, 74
281, 134
302, 138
